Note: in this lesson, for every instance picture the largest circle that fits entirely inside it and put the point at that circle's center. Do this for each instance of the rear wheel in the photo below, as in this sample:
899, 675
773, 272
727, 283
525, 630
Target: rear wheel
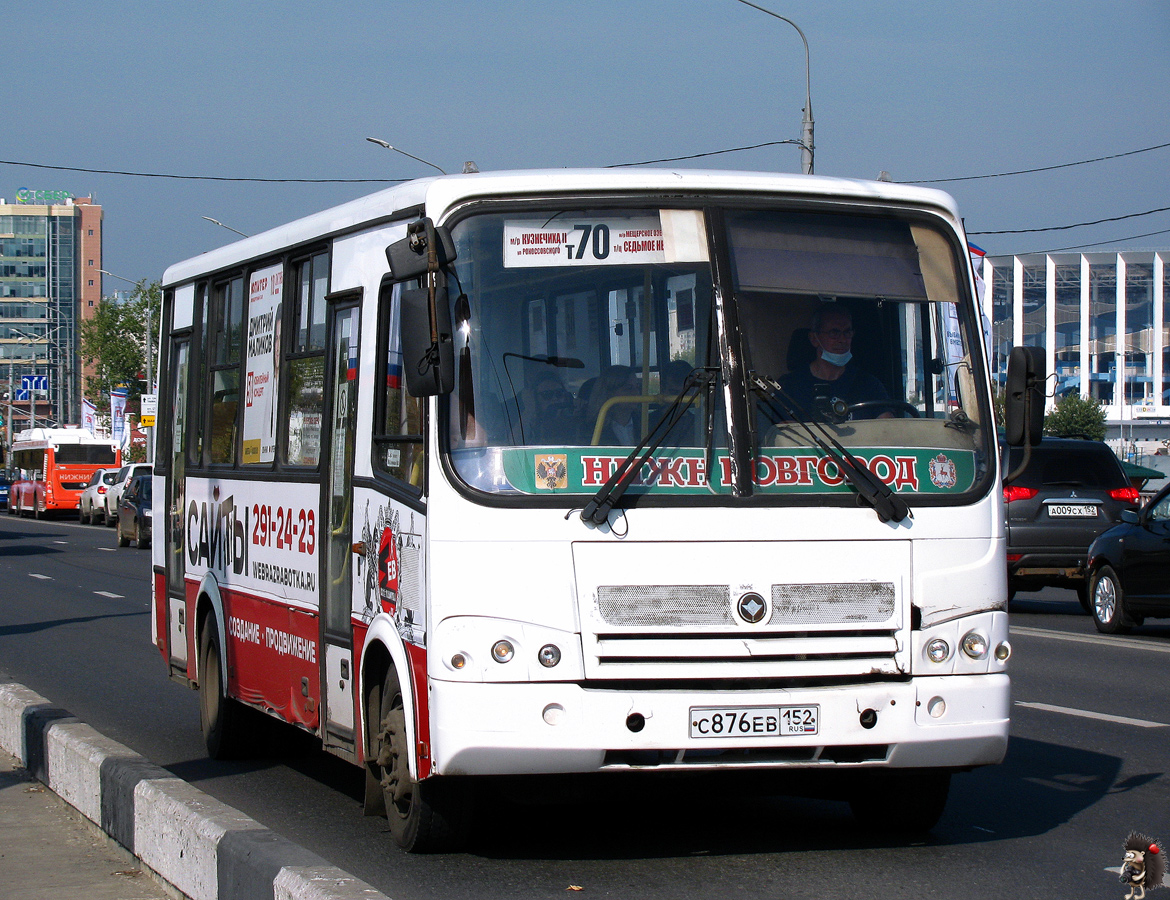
907, 801
424, 816
224, 721
1108, 602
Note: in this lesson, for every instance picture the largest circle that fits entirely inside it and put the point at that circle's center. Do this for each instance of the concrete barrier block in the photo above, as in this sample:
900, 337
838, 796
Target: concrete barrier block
177, 830
75, 753
321, 883
14, 700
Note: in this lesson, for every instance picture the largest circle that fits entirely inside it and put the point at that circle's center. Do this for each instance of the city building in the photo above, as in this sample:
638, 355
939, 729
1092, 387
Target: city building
50, 281
1075, 306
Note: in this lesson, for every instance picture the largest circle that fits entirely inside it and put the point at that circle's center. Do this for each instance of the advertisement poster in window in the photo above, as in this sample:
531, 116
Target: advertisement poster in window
263, 369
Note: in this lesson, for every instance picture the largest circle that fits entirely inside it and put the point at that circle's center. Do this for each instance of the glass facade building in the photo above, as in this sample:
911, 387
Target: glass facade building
50, 262
1101, 320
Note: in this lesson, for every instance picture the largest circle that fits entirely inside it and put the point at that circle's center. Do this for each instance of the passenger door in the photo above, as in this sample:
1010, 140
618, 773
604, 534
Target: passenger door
341, 391
173, 507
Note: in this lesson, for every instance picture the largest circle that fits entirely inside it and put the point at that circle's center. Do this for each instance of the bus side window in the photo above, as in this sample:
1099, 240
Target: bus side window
399, 449
306, 361
227, 314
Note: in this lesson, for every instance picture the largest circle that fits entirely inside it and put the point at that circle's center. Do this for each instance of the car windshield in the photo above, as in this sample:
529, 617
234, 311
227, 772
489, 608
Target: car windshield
577, 328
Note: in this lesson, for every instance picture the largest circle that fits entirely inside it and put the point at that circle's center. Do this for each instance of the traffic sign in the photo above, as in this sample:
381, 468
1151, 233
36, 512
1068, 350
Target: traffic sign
34, 382
21, 394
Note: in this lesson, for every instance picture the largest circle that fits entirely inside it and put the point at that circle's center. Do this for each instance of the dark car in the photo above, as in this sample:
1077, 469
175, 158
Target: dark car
134, 513
1129, 568
1071, 491
4, 489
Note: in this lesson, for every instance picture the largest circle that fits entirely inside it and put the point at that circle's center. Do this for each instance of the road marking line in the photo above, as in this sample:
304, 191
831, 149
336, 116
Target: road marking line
1086, 714
60, 542
108, 594
108, 549
1104, 640
41, 577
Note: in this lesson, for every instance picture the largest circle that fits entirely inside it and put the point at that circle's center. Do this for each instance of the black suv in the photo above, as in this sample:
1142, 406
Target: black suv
1070, 492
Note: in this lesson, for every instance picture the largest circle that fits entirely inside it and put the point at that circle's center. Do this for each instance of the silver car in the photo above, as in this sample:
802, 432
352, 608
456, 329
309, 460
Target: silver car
93, 497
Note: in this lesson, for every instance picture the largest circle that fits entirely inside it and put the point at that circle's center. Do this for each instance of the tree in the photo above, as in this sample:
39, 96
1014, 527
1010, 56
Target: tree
1076, 416
115, 340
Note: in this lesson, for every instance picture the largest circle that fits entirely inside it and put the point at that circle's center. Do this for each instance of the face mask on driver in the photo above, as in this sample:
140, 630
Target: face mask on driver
836, 359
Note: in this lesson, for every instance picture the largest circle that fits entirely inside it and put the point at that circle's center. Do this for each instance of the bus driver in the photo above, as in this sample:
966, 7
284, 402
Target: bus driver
832, 375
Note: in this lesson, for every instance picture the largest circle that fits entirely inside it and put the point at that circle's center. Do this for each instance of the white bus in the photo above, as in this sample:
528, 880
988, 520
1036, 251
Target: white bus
591, 471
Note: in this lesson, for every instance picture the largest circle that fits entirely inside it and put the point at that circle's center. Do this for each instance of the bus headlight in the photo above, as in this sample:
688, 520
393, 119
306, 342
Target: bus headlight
938, 651
975, 645
549, 655
502, 651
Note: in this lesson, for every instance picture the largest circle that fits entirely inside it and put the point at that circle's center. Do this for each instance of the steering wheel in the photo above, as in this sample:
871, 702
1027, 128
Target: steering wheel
894, 406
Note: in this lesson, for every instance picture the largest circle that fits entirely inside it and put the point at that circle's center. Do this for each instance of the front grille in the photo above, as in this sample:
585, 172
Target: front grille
665, 605
813, 631
825, 604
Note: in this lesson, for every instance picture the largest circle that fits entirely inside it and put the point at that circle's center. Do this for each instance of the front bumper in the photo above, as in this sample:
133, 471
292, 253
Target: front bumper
512, 729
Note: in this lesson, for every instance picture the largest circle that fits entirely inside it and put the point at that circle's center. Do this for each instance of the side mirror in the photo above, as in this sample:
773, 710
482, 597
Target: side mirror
1130, 515
428, 347
1024, 402
424, 249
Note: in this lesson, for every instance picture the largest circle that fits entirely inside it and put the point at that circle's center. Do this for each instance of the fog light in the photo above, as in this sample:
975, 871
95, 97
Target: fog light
936, 707
458, 661
938, 650
554, 713
975, 645
549, 655
1003, 651
502, 651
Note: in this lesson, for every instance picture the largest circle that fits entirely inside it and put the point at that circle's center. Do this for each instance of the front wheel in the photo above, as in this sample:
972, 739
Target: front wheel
123, 541
907, 801
1108, 602
424, 816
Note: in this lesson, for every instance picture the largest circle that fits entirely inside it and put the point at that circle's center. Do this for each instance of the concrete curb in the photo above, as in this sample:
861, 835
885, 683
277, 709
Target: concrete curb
204, 849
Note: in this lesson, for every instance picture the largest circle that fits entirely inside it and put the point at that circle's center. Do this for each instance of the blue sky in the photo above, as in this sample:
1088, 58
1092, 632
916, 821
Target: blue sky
923, 90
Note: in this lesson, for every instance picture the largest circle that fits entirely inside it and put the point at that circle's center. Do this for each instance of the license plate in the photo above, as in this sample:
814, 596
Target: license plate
753, 721
1072, 511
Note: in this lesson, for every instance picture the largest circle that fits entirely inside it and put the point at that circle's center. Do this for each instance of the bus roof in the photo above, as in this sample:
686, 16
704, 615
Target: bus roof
57, 436
438, 194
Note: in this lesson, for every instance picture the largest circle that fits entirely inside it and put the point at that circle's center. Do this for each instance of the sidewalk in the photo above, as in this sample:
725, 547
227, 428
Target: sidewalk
48, 852
192, 843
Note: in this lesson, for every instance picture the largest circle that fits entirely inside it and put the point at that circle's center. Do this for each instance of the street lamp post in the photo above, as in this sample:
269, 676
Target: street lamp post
382, 143
213, 222
806, 131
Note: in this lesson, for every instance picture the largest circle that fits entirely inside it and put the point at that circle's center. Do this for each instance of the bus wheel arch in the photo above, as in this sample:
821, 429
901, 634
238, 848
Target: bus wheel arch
431, 815
224, 722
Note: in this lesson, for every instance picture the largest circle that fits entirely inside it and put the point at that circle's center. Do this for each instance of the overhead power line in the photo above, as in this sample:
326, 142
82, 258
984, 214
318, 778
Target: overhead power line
1148, 212
1132, 237
9, 162
1081, 162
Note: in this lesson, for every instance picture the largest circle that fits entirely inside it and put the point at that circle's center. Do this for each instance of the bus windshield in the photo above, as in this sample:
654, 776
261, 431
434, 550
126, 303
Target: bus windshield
577, 329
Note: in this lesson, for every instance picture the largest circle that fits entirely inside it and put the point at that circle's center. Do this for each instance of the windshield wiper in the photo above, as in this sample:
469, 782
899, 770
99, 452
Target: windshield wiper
598, 508
888, 505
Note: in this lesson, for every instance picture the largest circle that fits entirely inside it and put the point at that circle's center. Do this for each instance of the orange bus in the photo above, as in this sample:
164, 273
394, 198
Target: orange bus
51, 466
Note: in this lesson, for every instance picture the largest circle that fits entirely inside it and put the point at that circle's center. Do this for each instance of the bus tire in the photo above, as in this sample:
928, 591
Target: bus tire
905, 801
222, 719
429, 816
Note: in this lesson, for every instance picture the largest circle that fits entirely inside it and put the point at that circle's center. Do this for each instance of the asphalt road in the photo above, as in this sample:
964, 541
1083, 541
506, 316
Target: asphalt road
1086, 764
